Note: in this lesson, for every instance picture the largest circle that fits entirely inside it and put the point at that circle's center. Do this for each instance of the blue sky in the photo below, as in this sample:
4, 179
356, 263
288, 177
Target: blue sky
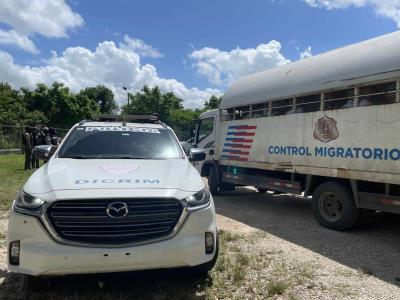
185, 46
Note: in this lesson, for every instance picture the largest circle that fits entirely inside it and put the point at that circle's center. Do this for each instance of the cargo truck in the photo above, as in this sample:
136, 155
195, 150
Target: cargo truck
327, 126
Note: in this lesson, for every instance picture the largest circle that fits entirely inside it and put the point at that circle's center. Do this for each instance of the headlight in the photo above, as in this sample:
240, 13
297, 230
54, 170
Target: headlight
28, 202
200, 198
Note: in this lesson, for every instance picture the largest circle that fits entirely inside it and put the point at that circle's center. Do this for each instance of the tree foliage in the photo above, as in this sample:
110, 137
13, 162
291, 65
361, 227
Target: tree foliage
57, 106
213, 103
104, 98
54, 105
151, 100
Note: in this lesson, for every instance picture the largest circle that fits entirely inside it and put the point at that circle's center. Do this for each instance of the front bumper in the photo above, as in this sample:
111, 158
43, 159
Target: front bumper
41, 255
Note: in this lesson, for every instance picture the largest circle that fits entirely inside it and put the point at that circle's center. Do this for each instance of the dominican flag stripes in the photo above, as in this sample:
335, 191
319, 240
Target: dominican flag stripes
238, 142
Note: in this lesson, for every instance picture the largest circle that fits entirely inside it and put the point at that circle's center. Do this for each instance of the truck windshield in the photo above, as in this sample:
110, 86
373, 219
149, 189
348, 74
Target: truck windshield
116, 142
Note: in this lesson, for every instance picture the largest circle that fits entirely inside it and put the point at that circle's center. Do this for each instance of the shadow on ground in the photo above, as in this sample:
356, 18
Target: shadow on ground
374, 246
162, 284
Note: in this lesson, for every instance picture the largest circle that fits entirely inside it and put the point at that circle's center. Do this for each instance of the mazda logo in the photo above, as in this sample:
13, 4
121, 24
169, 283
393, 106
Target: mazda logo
117, 210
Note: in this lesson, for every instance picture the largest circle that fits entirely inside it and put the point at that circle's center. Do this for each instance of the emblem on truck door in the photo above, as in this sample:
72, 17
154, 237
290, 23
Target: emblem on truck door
117, 210
326, 130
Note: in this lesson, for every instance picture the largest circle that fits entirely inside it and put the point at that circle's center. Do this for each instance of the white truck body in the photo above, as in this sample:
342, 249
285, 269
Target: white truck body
332, 118
366, 147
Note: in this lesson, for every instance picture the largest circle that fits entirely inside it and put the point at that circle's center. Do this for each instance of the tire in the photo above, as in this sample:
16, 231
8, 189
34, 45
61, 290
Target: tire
213, 181
36, 283
261, 190
334, 207
203, 269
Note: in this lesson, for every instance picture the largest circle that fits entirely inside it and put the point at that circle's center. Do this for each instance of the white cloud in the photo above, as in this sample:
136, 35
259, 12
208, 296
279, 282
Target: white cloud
386, 8
223, 67
140, 47
49, 18
12, 37
108, 64
306, 53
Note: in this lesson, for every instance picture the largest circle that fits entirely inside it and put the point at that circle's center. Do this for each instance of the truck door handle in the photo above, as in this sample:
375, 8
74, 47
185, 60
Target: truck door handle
211, 152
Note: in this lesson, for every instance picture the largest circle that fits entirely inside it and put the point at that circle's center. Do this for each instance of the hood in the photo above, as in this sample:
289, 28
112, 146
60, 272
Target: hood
111, 174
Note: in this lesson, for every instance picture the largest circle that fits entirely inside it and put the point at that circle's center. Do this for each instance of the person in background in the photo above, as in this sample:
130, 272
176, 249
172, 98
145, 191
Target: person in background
37, 138
46, 136
27, 146
55, 139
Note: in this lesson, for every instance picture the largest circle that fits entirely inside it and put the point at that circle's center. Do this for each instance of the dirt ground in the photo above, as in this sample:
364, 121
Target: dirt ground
363, 263
280, 253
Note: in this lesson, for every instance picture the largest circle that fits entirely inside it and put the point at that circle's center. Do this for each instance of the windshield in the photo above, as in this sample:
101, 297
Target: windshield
120, 142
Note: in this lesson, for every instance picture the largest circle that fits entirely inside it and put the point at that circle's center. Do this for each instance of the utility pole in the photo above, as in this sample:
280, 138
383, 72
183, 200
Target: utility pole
128, 97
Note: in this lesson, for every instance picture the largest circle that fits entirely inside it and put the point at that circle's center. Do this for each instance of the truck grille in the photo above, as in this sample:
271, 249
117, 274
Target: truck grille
87, 221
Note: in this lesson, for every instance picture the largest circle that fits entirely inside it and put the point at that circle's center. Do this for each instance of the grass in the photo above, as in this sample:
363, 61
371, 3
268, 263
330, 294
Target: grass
12, 177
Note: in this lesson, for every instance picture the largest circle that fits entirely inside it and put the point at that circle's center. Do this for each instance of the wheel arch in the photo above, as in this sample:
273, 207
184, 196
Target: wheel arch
205, 169
314, 181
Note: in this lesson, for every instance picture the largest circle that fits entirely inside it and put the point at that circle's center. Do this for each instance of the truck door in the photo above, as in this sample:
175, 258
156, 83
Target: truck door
205, 139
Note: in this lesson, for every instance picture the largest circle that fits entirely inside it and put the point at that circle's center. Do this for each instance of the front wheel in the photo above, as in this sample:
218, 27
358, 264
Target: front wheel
334, 207
213, 181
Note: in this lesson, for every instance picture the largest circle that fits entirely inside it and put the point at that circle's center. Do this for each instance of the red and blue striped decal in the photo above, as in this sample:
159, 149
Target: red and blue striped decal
237, 142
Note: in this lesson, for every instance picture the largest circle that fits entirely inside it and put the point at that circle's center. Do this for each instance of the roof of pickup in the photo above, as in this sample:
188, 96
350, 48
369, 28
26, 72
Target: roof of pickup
373, 60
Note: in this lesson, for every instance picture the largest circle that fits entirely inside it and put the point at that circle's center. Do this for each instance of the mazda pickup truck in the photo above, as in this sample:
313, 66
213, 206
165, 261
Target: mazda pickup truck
114, 196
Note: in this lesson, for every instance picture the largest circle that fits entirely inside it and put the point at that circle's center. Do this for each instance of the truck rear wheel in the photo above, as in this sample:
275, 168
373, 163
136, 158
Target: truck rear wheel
213, 181
334, 207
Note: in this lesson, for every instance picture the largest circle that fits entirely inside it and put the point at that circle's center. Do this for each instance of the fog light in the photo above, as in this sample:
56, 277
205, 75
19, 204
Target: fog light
14, 253
209, 242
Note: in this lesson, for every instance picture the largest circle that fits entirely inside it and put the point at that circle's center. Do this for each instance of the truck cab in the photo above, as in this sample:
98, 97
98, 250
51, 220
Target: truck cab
205, 138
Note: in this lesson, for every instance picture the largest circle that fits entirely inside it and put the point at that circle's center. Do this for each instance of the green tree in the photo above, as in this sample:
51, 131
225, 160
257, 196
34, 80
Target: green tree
213, 103
55, 106
152, 100
182, 121
13, 109
104, 98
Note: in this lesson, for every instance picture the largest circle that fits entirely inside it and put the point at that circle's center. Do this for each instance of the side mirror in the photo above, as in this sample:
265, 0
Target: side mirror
43, 152
197, 154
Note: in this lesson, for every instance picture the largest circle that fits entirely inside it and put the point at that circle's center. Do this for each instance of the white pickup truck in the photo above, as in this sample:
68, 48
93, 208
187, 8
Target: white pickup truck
114, 196
326, 126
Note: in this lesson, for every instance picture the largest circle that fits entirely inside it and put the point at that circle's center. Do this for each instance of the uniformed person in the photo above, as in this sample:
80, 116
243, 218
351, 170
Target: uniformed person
37, 138
46, 136
55, 140
27, 146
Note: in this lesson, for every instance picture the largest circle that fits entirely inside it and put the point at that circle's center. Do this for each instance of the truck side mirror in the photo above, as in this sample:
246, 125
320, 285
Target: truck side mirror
43, 152
197, 154
193, 132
